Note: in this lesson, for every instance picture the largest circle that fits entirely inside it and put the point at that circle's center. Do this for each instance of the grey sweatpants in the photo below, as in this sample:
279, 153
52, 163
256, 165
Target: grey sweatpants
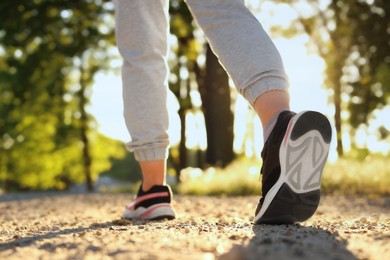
236, 37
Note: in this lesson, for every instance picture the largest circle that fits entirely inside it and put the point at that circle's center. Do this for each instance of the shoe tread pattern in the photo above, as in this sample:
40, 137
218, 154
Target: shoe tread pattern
309, 121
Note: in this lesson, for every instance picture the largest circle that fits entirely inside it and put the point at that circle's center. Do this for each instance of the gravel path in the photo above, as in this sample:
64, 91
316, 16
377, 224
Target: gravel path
89, 227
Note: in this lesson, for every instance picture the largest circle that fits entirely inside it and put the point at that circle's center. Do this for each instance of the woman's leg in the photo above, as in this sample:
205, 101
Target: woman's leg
142, 30
296, 145
246, 52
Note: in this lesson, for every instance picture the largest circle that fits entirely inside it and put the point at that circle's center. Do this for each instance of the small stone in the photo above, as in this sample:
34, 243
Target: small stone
96, 225
288, 241
234, 237
55, 229
266, 241
121, 222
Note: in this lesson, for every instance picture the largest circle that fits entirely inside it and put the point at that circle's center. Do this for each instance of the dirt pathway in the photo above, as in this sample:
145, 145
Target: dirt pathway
89, 227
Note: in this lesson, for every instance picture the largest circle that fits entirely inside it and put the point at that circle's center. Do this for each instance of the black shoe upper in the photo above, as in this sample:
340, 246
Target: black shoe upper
270, 155
164, 196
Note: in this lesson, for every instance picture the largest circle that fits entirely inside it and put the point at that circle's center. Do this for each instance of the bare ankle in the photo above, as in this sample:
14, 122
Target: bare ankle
270, 103
153, 173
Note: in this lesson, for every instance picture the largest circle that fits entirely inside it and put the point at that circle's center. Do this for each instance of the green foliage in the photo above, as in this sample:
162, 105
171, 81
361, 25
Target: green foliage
48, 51
124, 169
186, 52
29, 157
369, 176
370, 45
354, 40
239, 178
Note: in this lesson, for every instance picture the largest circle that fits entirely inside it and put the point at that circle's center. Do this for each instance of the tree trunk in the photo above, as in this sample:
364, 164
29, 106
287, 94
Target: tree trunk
182, 145
336, 78
337, 118
86, 154
216, 101
335, 58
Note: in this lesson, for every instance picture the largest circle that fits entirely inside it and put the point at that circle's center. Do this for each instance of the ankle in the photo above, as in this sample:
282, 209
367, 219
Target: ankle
153, 173
270, 104
146, 186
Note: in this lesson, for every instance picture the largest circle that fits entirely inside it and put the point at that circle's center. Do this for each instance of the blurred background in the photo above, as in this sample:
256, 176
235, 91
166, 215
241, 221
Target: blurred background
61, 122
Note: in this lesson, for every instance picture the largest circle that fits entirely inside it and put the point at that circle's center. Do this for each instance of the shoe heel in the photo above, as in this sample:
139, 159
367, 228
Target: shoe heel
289, 207
159, 212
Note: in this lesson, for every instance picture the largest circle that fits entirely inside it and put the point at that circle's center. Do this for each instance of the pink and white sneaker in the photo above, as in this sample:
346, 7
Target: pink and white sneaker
153, 204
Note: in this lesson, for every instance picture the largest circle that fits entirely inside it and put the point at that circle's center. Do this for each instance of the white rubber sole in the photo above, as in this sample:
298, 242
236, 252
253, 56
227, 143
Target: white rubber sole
157, 211
301, 162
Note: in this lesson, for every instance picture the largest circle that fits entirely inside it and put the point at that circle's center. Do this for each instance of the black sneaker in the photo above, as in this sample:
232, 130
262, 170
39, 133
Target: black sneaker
152, 204
293, 159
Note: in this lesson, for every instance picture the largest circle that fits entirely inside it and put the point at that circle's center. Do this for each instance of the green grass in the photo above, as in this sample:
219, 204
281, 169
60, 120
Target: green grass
240, 178
370, 176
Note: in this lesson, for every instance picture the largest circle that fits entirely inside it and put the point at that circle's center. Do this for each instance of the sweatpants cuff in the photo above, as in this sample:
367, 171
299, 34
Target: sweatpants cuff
257, 89
151, 154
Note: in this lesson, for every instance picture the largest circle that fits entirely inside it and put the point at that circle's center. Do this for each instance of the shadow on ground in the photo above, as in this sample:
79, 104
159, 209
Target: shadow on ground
290, 242
29, 240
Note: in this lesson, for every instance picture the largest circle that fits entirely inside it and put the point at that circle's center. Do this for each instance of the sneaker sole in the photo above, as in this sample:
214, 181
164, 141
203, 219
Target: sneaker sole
155, 212
302, 155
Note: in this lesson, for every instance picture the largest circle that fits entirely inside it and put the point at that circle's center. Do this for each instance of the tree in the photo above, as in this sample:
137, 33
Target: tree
343, 36
43, 116
210, 80
370, 55
186, 53
216, 102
